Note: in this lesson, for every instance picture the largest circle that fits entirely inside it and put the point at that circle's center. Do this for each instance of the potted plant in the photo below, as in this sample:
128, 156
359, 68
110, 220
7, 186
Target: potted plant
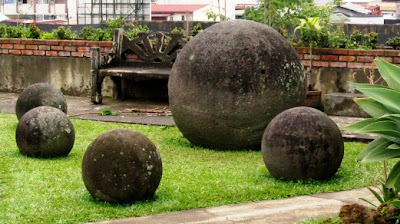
310, 32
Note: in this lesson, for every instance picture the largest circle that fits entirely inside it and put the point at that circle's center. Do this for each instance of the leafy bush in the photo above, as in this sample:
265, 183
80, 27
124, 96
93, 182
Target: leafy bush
47, 36
178, 30
12, 31
196, 30
90, 33
134, 30
360, 40
394, 42
337, 39
63, 33
382, 103
33, 31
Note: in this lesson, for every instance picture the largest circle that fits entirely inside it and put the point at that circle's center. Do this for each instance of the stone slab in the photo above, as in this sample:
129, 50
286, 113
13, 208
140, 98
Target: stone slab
289, 210
342, 104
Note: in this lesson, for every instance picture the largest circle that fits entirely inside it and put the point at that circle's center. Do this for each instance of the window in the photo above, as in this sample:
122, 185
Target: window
183, 18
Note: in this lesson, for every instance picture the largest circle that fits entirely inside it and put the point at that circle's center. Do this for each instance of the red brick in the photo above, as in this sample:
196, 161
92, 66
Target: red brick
4, 51
322, 51
339, 51
336, 64
397, 60
306, 63
329, 57
19, 46
51, 53
66, 42
52, 42
347, 58
77, 54
7, 46
4, 41
358, 52
392, 53
388, 59
320, 63
44, 47
315, 57
92, 43
69, 48
78, 43
31, 47
84, 49
14, 52
26, 41
15, 41
365, 59
302, 50
87, 55
356, 65
106, 44
39, 53
64, 53
301, 56
27, 52
376, 52
56, 48
39, 42
107, 49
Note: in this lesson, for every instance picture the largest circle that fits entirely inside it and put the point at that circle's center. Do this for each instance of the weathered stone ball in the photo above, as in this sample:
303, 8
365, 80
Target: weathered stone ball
230, 81
45, 132
122, 166
40, 94
302, 143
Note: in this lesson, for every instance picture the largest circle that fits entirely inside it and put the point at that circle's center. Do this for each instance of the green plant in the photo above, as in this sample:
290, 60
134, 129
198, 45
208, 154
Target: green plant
12, 31
382, 104
178, 30
47, 36
337, 39
134, 30
63, 33
394, 42
111, 25
360, 40
196, 29
33, 31
93, 34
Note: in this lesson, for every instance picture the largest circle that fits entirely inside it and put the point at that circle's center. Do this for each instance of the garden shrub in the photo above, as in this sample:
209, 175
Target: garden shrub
64, 33
93, 34
134, 30
394, 42
33, 31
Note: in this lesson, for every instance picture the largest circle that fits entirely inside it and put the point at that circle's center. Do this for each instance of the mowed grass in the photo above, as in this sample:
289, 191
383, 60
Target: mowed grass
52, 191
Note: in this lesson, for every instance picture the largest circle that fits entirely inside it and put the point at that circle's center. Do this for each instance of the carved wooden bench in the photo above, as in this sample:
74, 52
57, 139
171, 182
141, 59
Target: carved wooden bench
148, 56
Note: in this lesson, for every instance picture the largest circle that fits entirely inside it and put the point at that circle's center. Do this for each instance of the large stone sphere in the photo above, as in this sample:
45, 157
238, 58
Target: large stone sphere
40, 94
230, 81
122, 166
302, 143
45, 132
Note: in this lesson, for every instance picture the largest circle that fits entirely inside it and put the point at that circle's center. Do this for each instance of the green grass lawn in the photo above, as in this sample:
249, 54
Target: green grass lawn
52, 191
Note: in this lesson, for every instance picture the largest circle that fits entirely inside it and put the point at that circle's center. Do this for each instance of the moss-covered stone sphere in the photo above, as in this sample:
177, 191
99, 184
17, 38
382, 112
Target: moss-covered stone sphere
40, 94
230, 81
122, 166
45, 132
302, 143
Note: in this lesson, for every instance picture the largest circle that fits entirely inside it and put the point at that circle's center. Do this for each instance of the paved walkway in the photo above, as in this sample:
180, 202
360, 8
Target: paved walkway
291, 210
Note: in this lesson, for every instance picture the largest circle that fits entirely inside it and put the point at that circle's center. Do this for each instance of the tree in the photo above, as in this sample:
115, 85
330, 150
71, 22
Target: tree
284, 14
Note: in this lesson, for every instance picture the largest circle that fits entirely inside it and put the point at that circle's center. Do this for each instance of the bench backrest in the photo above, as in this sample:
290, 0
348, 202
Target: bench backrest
154, 49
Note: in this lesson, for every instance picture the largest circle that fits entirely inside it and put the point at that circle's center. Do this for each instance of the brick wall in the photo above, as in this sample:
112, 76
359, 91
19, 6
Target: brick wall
346, 58
58, 48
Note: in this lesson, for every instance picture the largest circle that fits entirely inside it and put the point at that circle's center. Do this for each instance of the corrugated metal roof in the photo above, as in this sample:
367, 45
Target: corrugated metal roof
157, 8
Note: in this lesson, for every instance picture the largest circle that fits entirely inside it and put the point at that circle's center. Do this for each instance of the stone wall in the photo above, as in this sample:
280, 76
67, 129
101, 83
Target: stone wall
334, 69
62, 63
66, 65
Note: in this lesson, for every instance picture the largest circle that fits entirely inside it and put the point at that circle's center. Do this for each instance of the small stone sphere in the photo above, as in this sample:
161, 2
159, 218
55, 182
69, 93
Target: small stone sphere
40, 94
122, 166
45, 132
230, 80
302, 143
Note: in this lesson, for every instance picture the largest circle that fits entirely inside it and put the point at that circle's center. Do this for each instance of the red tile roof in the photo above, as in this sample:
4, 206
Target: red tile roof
156, 8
